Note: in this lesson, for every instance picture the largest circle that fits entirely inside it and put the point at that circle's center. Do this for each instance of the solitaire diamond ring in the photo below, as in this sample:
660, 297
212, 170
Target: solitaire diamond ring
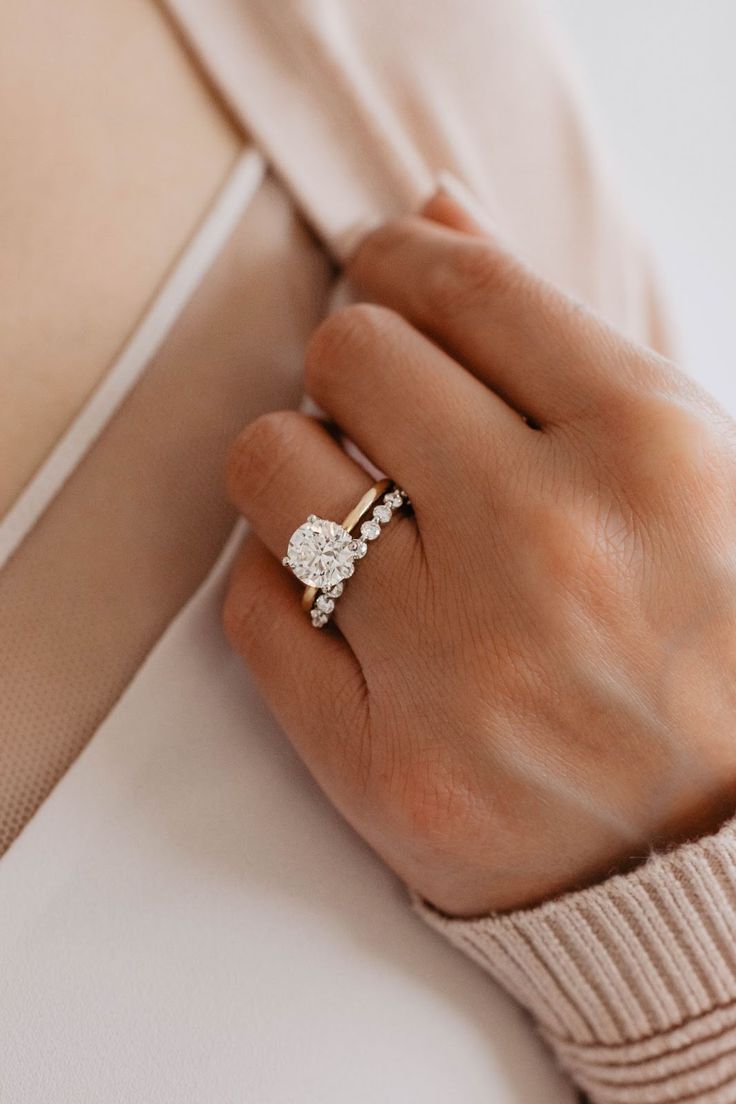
322, 554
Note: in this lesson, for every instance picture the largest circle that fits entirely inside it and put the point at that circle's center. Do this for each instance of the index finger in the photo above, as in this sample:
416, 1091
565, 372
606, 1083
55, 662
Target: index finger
537, 348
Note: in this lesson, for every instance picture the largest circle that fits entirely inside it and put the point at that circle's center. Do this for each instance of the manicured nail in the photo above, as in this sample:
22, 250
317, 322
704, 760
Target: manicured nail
459, 192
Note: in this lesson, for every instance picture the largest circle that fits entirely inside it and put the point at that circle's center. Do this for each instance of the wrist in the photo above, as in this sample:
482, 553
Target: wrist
632, 981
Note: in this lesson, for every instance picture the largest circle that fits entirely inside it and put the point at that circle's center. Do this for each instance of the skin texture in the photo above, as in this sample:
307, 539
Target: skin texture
112, 149
530, 682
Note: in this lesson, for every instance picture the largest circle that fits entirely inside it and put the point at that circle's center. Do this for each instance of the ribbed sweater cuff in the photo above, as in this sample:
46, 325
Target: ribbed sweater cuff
633, 981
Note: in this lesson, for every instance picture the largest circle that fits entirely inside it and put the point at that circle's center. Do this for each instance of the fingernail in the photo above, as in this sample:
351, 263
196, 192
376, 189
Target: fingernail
461, 194
346, 242
309, 406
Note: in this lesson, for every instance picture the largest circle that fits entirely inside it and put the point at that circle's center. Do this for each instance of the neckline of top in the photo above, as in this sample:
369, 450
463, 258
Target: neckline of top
182, 280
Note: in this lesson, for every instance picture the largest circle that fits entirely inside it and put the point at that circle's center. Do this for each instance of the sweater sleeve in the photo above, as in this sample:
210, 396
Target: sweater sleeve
632, 982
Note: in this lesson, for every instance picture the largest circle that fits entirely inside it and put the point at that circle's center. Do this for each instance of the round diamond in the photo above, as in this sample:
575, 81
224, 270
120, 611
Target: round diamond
325, 604
359, 549
319, 619
334, 591
319, 553
370, 530
382, 513
393, 499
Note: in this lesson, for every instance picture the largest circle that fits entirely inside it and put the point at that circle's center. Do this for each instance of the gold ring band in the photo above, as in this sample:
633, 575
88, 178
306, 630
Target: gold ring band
353, 519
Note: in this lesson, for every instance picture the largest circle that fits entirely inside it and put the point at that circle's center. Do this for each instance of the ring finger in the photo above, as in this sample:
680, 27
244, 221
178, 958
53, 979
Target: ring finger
286, 466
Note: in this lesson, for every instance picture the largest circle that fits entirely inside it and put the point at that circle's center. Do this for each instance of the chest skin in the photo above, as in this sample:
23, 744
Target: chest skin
113, 146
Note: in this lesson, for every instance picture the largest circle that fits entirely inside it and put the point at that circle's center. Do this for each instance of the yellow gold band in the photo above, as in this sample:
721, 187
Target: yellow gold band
355, 516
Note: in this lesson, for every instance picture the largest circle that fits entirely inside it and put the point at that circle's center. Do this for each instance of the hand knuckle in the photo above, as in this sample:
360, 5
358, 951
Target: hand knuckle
438, 800
260, 453
560, 542
378, 243
470, 272
576, 554
339, 342
674, 451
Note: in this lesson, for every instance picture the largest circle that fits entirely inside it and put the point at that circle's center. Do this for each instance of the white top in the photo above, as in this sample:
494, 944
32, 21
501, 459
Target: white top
186, 919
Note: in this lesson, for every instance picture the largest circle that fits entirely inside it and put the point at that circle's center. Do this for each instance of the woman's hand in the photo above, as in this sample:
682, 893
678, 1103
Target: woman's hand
534, 677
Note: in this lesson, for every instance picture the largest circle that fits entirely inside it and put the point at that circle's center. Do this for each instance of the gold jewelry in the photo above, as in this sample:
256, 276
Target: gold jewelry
322, 554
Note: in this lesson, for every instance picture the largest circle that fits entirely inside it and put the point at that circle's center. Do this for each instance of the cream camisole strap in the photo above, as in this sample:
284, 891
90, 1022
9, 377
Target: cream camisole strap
186, 275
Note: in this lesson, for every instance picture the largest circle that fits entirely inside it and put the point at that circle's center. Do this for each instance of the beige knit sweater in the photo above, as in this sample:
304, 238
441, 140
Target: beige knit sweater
632, 982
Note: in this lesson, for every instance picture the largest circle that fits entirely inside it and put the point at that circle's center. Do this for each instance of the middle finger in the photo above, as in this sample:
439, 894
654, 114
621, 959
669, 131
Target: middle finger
536, 347
414, 411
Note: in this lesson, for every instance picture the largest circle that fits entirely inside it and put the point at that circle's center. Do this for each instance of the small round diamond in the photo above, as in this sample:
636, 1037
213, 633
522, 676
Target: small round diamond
359, 549
382, 513
334, 591
325, 604
319, 619
369, 530
393, 499
319, 553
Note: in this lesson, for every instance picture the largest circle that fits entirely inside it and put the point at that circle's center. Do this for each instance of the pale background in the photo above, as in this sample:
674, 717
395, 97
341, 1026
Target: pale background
662, 81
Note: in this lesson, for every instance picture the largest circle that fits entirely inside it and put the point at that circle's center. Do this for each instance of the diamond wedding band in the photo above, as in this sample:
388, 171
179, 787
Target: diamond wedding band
322, 554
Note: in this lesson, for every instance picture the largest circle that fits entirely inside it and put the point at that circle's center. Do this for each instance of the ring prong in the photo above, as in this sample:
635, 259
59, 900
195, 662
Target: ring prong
286, 562
312, 518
